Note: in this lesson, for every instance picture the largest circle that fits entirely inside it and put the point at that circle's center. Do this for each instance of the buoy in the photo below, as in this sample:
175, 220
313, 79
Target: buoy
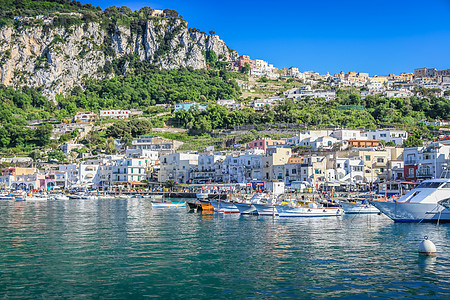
427, 247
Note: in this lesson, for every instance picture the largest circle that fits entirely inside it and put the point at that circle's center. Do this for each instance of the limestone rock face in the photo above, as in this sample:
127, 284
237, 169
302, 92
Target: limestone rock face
58, 59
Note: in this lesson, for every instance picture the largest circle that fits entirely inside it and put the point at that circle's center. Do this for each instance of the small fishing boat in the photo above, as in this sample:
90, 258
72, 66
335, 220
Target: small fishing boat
206, 206
358, 207
247, 207
61, 197
194, 205
225, 207
266, 209
312, 210
168, 204
6, 197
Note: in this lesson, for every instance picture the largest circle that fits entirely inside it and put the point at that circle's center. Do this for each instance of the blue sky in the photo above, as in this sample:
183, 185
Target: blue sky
378, 37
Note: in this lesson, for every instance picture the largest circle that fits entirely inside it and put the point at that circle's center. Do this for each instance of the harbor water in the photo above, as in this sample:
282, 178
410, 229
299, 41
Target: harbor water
124, 249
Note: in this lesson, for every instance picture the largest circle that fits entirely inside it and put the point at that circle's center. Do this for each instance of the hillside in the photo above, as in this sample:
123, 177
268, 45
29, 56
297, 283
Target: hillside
77, 42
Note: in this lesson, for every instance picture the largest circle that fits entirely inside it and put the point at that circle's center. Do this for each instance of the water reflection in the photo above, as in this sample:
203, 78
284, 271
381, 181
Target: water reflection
124, 249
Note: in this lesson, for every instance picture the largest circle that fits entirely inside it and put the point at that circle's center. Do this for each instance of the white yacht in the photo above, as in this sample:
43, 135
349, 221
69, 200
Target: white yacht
420, 204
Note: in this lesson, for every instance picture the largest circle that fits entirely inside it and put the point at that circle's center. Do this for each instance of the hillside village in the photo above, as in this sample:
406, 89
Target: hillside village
177, 138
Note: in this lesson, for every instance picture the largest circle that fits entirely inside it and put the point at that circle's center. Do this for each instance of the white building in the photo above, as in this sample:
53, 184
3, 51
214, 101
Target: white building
396, 136
129, 171
115, 114
348, 134
243, 167
209, 168
350, 170
426, 162
177, 167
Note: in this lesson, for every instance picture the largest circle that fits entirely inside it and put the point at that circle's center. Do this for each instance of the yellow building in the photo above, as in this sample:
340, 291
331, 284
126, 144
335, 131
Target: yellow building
275, 157
378, 78
376, 162
18, 171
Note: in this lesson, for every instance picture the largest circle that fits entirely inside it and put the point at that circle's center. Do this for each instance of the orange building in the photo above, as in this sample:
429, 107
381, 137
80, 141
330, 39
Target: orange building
17, 171
363, 143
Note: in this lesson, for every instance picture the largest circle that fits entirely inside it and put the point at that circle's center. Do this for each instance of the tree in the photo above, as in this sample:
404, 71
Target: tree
56, 155
170, 184
212, 32
43, 134
246, 68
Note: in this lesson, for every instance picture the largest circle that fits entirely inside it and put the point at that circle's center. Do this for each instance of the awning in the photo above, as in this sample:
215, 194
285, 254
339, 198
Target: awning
138, 183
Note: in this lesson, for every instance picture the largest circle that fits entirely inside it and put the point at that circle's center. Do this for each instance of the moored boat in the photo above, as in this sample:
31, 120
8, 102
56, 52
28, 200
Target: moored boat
421, 204
359, 207
312, 210
168, 204
224, 207
266, 209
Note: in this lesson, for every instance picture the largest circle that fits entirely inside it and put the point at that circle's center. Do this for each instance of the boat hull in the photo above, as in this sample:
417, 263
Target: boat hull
358, 208
246, 208
168, 204
289, 211
266, 209
413, 212
224, 207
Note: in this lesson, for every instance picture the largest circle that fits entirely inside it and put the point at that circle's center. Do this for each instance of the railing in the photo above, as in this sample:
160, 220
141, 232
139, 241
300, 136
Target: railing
410, 162
424, 174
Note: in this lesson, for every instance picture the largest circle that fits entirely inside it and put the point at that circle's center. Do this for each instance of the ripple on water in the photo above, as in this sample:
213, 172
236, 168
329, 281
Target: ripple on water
124, 249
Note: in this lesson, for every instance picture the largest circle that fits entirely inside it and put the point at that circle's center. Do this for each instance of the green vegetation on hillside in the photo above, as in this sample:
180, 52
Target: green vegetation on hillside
321, 113
146, 86
60, 9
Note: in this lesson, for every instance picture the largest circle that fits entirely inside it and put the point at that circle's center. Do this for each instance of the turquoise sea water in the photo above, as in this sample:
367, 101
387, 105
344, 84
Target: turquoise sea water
119, 249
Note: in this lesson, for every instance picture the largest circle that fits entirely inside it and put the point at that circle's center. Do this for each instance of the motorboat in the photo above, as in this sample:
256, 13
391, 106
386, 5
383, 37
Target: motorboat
247, 207
359, 206
89, 197
422, 204
6, 197
168, 204
226, 207
61, 197
311, 210
31, 197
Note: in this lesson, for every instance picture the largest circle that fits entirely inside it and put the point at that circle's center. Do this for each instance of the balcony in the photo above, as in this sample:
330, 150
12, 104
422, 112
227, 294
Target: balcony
410, 162
424, 174
380, 164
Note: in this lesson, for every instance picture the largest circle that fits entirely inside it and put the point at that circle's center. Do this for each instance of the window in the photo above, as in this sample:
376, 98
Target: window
430, 185
380, 160
367, 157
446, 186
294, 171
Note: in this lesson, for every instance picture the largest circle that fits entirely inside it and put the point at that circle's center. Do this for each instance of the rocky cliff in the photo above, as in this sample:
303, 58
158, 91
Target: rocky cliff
58, 58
